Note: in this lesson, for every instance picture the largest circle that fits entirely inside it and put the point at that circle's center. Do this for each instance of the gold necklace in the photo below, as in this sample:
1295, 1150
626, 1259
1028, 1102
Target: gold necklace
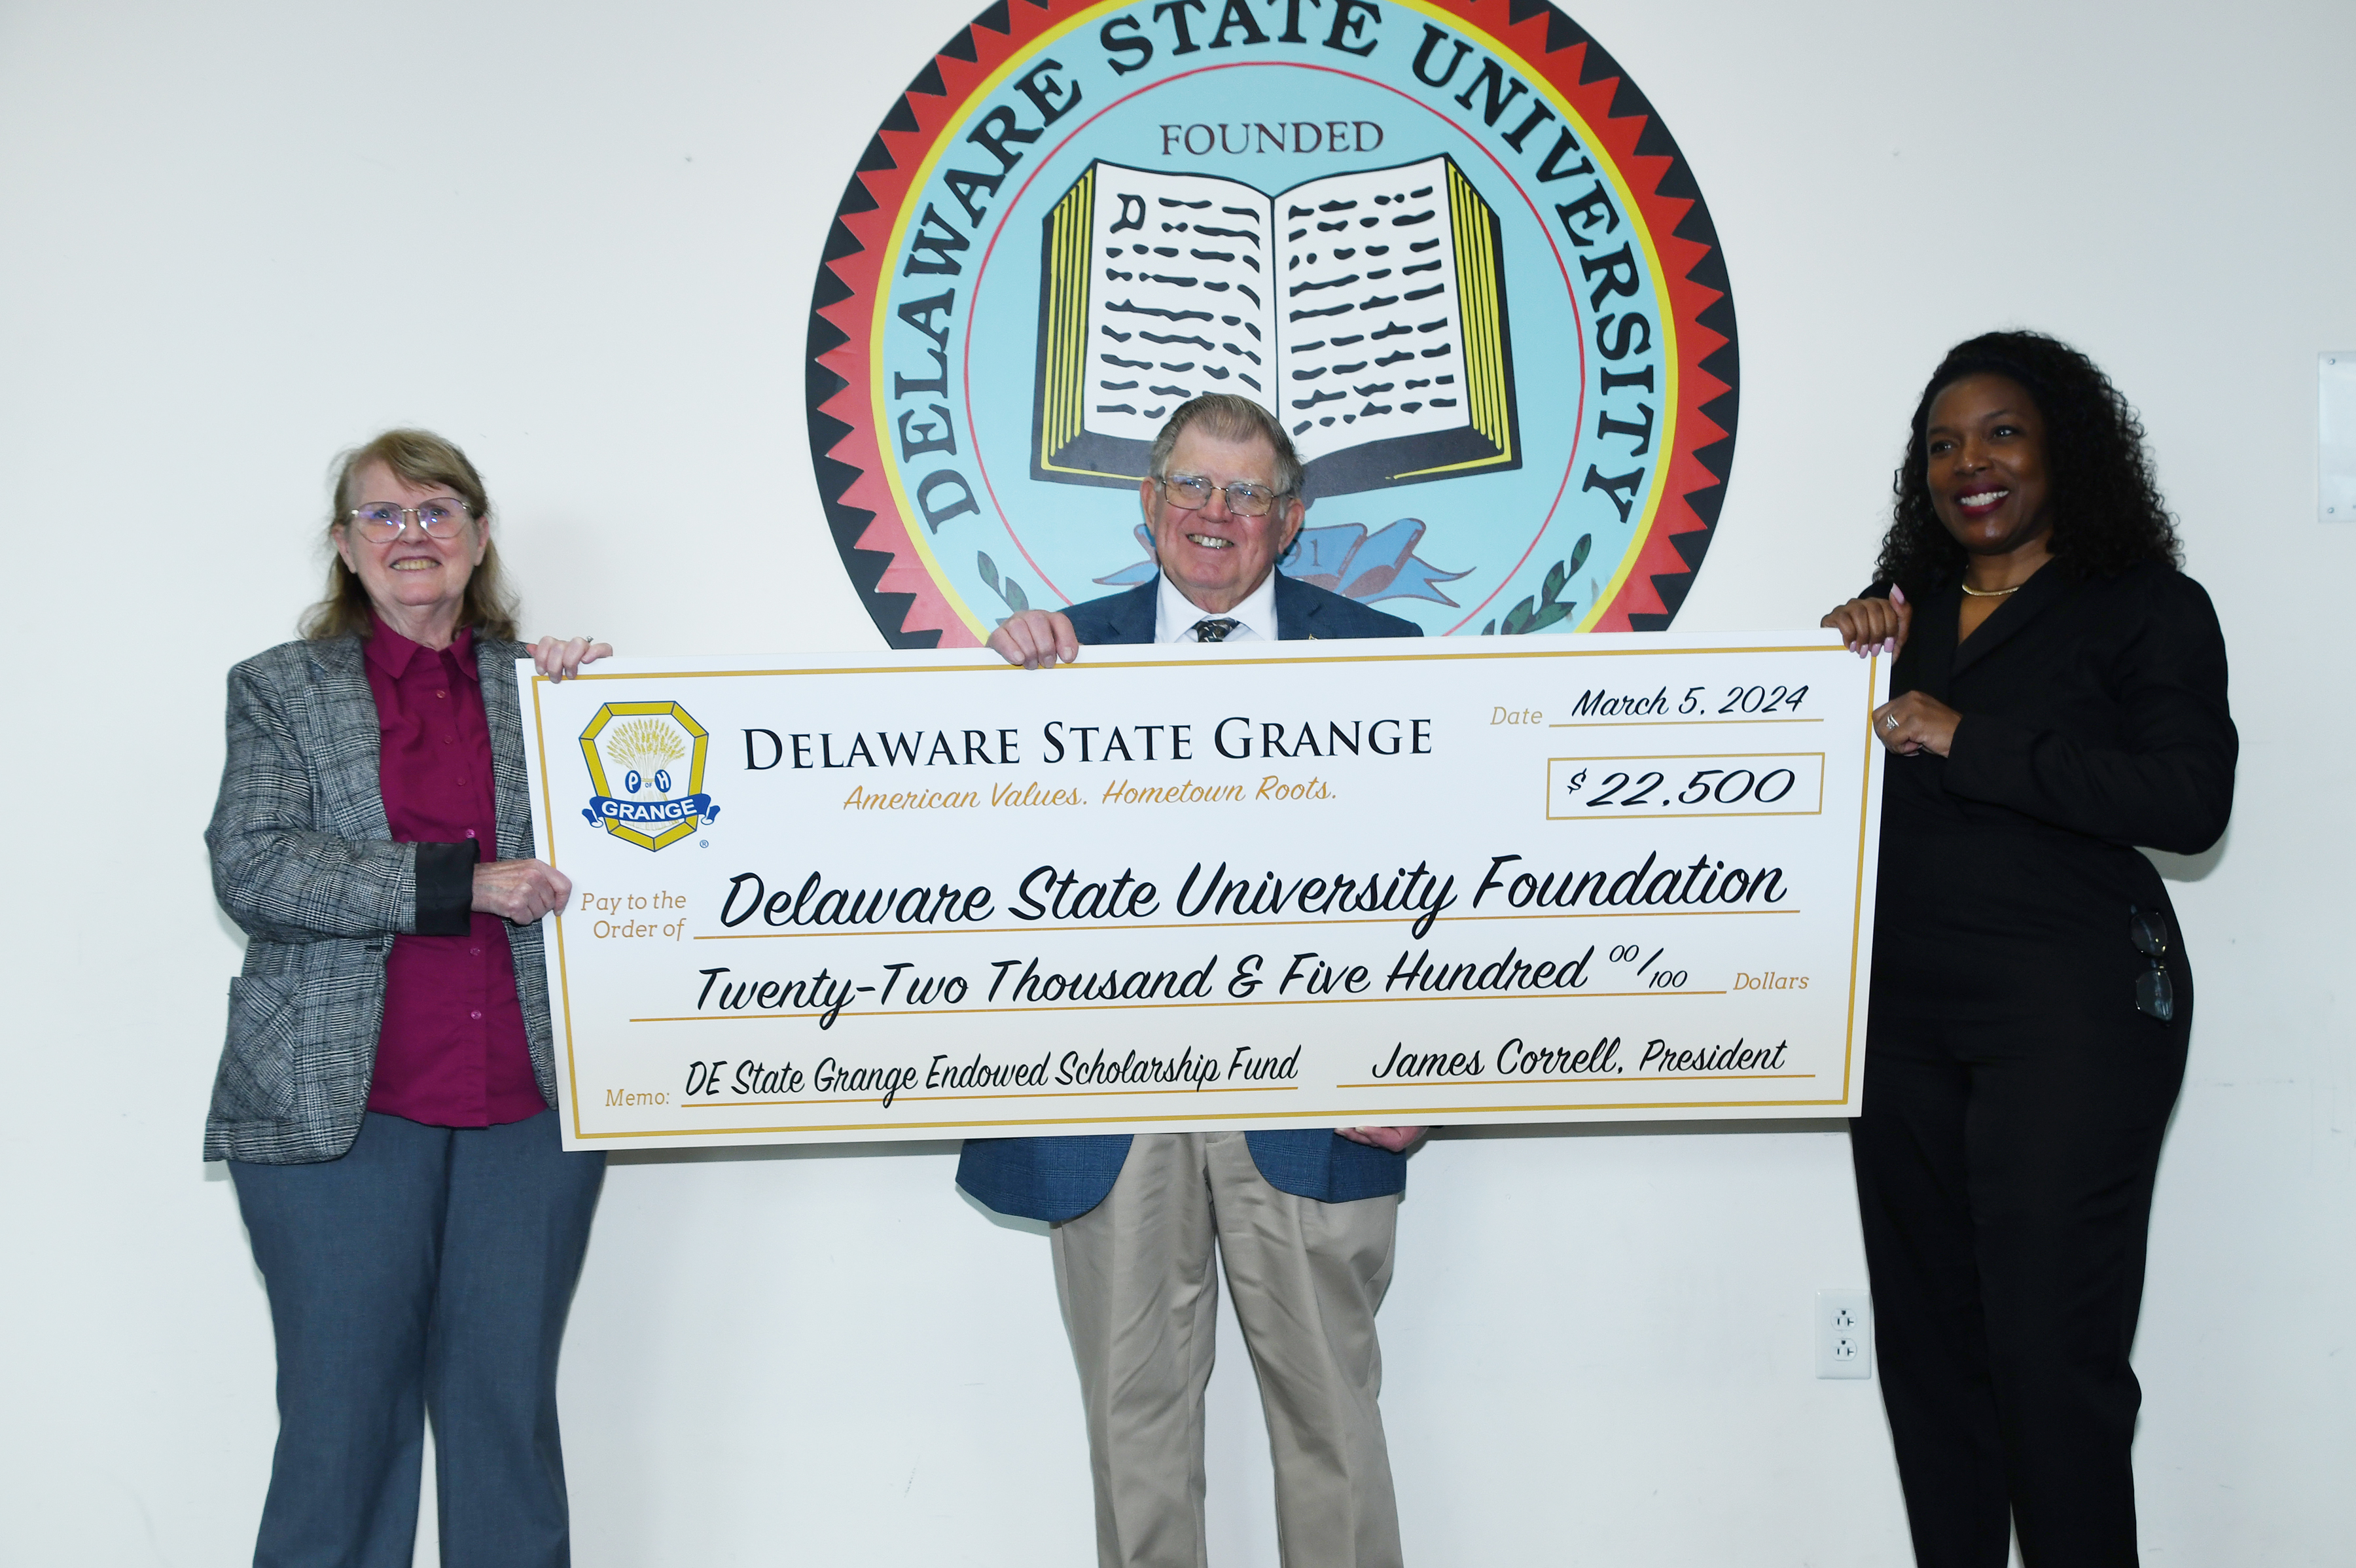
1990, 593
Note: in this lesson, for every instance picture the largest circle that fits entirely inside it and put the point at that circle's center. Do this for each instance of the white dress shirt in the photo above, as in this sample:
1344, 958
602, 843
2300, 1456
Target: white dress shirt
1175, 613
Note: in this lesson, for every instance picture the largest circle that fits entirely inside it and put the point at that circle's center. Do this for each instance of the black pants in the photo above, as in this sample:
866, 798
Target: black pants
2004, 1177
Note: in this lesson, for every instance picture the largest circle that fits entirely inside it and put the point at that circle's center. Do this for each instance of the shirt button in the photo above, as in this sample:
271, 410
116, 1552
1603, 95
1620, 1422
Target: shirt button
470, 832
474, 1014
441, 694
476, 952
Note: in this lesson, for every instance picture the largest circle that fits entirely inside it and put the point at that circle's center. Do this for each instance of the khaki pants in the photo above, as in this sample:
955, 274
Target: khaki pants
1139, 1300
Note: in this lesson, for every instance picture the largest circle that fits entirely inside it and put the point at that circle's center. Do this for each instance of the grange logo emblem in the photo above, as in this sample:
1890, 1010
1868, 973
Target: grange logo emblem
1450, 245
646, 760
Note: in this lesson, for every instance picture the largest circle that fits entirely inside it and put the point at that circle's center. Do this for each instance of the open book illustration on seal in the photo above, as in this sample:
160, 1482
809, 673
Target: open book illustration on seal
1366, 310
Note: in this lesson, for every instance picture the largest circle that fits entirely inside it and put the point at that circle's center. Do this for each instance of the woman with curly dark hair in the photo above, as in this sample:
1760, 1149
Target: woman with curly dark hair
2058, 699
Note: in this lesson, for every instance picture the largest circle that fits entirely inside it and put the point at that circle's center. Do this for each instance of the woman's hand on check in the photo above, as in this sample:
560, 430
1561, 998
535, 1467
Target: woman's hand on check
1873, 626
561, 658
1395, 1139
1036, 638
520, 890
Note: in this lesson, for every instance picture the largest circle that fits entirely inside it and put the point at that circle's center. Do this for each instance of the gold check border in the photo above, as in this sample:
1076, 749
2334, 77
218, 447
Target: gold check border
1868, 755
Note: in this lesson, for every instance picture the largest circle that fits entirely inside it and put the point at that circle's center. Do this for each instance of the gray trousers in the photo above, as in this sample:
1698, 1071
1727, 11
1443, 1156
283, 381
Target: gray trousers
1140, 1303
426, 1273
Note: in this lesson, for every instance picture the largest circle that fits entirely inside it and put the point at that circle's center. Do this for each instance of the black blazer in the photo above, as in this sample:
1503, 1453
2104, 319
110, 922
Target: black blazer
1303, 613
2094, 720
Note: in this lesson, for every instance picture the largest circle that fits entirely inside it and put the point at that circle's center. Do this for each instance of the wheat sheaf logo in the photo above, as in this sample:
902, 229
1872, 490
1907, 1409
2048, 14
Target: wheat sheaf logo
647, 762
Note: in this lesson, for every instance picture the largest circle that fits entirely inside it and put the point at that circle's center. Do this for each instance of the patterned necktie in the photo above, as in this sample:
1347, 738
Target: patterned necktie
1215, 629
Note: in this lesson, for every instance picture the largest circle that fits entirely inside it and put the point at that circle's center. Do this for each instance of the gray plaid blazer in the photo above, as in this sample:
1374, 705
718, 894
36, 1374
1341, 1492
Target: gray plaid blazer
304, 862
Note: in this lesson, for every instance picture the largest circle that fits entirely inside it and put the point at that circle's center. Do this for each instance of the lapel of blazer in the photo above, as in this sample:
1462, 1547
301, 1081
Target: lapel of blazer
2037, 595
345, 740
1131, 620
495, 661
1296, 611
1927, 662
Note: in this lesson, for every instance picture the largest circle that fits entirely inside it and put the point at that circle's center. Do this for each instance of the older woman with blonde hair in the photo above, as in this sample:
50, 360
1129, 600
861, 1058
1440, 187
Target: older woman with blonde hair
384, 1098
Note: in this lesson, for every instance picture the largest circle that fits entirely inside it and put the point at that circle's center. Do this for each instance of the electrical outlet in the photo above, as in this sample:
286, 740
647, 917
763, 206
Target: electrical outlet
1844, 1334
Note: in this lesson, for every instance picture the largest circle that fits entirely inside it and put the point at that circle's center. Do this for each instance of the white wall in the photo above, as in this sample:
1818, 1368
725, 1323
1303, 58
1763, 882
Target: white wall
581, 239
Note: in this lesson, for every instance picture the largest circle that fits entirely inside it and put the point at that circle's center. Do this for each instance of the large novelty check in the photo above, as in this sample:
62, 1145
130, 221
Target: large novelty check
1307, 884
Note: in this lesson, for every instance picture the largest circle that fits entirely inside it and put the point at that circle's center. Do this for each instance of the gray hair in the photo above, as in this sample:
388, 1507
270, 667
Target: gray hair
1230, 416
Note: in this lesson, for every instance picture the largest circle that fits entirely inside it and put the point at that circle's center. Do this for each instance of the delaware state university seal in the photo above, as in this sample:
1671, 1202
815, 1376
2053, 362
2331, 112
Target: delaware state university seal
1449, 244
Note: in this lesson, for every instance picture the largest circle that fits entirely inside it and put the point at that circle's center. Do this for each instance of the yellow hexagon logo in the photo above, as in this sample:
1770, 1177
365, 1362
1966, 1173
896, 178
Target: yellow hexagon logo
646, 761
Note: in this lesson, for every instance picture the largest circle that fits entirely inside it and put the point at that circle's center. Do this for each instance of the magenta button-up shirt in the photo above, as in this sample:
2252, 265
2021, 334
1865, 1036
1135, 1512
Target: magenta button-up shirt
453, 1051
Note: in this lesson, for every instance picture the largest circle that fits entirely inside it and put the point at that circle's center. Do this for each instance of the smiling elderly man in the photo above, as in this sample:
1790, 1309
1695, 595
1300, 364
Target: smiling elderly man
1304, 1219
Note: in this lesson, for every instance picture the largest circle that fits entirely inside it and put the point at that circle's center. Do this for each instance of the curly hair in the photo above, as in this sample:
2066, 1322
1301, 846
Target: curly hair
2107, 514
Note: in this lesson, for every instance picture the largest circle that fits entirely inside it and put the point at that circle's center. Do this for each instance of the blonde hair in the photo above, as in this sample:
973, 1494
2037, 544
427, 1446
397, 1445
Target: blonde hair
423, 458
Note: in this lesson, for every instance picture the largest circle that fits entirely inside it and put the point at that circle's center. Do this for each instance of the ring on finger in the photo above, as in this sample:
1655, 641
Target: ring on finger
1890, 721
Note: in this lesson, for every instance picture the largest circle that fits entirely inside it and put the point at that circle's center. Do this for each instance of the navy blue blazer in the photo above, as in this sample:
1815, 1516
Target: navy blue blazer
1063, 1179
